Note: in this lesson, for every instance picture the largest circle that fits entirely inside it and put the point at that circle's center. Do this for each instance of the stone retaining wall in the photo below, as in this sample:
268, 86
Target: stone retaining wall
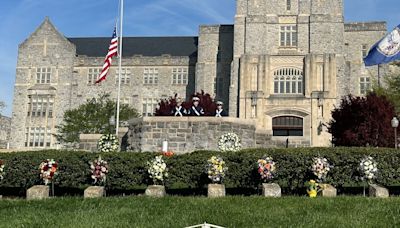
188, 134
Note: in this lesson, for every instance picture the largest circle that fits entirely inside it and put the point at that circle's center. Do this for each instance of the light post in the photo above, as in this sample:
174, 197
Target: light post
395, 124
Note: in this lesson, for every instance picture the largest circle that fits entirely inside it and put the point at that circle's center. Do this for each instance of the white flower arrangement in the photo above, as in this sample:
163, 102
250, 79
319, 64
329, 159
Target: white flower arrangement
99, 169
108, 143
368, 168
48, 169
157, 169
229, 142
216, 169
2, 173
320, 168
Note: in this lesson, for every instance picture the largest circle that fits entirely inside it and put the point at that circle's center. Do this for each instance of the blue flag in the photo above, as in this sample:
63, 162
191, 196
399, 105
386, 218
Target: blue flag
386, 50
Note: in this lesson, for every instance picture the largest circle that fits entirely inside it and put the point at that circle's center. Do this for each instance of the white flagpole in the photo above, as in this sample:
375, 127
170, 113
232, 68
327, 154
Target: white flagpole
119, 67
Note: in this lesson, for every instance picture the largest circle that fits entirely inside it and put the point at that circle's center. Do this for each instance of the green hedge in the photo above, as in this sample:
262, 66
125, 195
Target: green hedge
128, 172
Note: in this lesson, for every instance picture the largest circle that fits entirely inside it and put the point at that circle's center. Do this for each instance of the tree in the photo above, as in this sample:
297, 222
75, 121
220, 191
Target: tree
391, 90
92, 117
363, 121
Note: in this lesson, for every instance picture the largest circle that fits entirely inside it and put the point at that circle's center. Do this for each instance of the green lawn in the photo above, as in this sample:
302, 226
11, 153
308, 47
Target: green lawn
184, 211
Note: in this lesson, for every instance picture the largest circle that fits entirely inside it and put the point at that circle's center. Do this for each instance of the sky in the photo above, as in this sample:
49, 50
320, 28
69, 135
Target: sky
91, 18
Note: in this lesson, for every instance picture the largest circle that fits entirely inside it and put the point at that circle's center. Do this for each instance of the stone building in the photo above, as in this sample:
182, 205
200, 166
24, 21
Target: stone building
282, 64
5, 128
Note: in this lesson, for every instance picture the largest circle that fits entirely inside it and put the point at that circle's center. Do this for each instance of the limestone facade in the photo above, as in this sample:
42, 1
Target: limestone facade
283, 65
5, 129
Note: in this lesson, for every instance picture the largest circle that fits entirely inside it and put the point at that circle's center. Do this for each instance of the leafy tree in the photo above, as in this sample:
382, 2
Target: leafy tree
166, 106
92, 117
363, 121
2, 106
391, 90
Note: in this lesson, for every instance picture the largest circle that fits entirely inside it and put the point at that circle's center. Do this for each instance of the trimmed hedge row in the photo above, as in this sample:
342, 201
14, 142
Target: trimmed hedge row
127, 171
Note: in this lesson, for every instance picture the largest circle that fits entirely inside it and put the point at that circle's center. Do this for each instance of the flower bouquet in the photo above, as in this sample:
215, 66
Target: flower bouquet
229, 142
313, 188
108, 143
320, 168
157, 170
2, 170
48, 169
168, 153
216, 169
99, 169
266, 168
368, 168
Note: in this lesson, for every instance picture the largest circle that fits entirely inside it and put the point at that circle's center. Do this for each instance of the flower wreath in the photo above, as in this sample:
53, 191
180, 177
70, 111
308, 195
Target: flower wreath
1, 170
320, 168
157, 169
108, 143
216, 169
368, 168
229, 142
48, 169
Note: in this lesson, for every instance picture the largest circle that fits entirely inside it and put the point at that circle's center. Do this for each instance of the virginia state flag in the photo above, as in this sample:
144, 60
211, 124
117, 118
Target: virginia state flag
386, 50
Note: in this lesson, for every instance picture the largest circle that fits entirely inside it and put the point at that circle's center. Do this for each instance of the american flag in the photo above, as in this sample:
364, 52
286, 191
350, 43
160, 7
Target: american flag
112, 51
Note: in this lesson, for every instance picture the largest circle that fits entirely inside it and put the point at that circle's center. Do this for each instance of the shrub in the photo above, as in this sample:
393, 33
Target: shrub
128, 171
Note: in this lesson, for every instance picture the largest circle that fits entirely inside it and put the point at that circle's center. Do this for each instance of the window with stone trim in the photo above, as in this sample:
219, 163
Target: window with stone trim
179, 76
38, 137
43, 75
41, 106
287, 126
93, 73
288, 81
288, 5
125, 76
365, 85
150, 76
288, 36
149, 106
364, 50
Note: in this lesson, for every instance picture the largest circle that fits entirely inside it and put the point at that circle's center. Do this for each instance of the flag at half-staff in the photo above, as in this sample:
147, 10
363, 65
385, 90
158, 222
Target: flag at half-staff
386, 50
112, 51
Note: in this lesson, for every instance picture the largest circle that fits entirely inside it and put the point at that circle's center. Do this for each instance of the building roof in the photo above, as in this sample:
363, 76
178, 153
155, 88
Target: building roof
145, 46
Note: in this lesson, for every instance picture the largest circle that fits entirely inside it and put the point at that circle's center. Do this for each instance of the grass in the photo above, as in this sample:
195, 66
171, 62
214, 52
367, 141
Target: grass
185, 211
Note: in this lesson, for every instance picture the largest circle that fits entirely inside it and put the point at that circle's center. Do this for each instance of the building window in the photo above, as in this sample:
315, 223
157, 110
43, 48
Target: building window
364, 50
288, 4
93, 73
288, 81
179, 76
43, 75
38, 137
41, 106
288, 37
287, 126
125, 77
150, 76
149, 106
123, 101
365, 85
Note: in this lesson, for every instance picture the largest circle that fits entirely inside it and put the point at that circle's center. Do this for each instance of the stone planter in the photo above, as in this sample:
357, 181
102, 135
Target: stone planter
271, 190
155, 191
378, 191
328, 191
38, 192
216, 190
94, 192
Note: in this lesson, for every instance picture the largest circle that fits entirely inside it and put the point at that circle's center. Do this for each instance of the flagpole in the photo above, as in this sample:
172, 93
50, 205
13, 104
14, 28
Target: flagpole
119, 67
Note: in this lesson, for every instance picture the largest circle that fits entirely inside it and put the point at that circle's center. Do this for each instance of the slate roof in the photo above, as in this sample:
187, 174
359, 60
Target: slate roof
145, 46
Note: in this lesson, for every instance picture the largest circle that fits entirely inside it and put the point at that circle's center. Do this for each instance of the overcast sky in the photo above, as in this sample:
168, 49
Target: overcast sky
83, 18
